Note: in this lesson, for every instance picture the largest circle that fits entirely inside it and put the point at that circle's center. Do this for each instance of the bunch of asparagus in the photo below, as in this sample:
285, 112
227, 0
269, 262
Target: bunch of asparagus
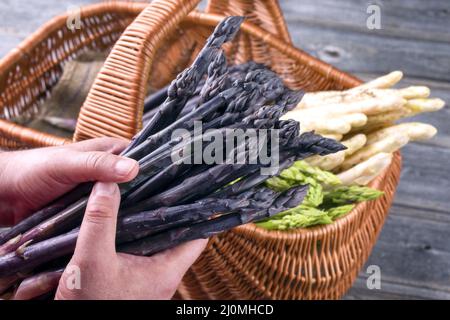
326, 200
363, 118
170, 202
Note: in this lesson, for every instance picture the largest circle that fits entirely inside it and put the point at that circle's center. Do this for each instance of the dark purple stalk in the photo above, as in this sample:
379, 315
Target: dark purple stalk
205, 182
43, 214
145, 223
264, 203
195, 187
155, 99
173, 237
166, 170
200, 185
264, 117
290, 99
252, 180
216, 177
184, 86
154, 141
242, 98
236, 72
64, 220
161, 170
193, 103
37, 254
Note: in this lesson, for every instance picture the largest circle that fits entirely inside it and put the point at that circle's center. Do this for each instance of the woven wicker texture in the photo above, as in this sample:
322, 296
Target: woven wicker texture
30, 71
315, 263
247, 262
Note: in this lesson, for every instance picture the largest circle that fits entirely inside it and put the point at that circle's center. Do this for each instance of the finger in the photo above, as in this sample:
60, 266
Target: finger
78, 167
98, 230
38, 285
106, 144
180, 258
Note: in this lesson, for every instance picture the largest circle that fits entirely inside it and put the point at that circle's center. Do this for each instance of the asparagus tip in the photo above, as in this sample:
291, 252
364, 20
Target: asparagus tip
225, 31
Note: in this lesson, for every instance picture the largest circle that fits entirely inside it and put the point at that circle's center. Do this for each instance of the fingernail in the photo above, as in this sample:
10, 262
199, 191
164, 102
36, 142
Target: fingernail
124, 166
104, 189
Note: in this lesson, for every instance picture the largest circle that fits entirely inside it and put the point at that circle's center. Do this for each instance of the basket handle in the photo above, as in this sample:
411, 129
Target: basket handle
115, 102
266, 14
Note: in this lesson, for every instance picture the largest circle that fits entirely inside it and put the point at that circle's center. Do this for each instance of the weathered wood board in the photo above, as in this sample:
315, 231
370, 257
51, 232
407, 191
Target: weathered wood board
413, 248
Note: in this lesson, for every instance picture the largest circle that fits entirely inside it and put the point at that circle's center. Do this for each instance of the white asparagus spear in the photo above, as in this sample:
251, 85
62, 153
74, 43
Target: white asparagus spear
366, 171
313, 99
325, 125
355, 120
368, 88
340, 125
388, 145
334, 160
414, 130
354, 144
411, 108
371, 106
328, 162
366, 179
317, 99
414, 92
383, 120
424, 105
383, 82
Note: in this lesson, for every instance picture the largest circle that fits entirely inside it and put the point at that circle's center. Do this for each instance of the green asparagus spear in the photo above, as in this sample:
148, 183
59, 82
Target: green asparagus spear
340, 211
300, 217
303, 169
350, 194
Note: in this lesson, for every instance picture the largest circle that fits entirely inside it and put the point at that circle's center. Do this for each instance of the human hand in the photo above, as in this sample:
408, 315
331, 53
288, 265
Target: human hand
33, 178
106, 274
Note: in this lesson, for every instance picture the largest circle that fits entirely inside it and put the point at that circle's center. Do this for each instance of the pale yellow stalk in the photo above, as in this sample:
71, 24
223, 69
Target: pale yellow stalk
365, 172
387, 145
334, 160
353, 144
424, 105
383, 82
328, 162
415, 131
368, 107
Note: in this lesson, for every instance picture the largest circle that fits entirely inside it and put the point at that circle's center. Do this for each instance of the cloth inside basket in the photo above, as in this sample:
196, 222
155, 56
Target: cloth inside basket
58, 114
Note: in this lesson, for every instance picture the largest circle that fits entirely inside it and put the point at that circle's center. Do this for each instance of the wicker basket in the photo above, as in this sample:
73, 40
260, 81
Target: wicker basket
247, 262
29, 72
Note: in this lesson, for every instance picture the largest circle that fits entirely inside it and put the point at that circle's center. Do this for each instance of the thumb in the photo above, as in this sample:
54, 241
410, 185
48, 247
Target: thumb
97, 234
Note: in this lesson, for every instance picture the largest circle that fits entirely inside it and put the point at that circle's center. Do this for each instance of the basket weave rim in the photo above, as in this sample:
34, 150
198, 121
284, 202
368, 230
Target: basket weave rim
55, 23
294, 234
327, 70
211, 19
17, 132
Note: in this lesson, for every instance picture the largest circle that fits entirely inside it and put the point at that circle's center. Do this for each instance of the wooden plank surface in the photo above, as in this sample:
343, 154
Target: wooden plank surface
413, 251
413, 248
415, 19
